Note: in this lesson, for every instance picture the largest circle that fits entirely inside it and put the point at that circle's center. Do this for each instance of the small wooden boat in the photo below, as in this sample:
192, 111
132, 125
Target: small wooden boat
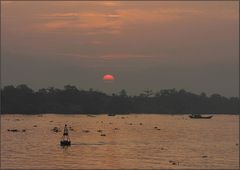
198, 116
65, 142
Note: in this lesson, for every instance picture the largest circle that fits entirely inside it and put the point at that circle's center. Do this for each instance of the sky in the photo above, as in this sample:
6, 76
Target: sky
191, 45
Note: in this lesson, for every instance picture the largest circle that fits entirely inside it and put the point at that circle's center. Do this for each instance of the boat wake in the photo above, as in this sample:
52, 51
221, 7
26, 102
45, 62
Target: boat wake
80, 143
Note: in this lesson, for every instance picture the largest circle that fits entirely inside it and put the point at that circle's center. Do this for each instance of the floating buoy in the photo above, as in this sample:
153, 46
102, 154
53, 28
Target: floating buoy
65, 142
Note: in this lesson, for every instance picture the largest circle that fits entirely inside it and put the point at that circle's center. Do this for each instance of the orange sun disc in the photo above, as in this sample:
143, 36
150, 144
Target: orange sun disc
108, 77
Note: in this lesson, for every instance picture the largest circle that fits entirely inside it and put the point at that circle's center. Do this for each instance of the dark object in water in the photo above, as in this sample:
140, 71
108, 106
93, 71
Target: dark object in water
13, 130
70, 128
174, 162
103, 134
86, 131
56, 129
198, 116
35, 126
204, 156
91, 115
111, 114
24, 130
65, 142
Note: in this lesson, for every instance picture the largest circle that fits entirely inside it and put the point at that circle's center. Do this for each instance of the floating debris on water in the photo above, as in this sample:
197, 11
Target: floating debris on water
86, 131
13, 130
34, 125
111, 114
91, 115
70, 128
204, 156
99, 130
174, 162
103, 134
56, 129
16, 130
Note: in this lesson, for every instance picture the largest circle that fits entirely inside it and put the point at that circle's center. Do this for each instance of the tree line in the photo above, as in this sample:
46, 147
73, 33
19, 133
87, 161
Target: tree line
70, 99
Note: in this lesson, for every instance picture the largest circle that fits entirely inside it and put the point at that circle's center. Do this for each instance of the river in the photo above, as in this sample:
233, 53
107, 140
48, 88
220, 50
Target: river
149, 141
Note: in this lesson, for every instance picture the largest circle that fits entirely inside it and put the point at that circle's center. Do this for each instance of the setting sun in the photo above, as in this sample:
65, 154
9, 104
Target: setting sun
108, 77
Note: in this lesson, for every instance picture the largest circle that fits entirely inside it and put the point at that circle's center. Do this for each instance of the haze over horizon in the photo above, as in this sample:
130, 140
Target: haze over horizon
145, 45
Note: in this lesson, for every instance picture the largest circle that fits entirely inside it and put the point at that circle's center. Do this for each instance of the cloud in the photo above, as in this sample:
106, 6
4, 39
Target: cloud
110, 3
79, 14
108, 56
125, 56
114, 60
115, 20
111, 22
85, 22
6, 2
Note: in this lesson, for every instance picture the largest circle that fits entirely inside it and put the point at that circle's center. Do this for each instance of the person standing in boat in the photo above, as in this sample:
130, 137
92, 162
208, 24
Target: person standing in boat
65, 132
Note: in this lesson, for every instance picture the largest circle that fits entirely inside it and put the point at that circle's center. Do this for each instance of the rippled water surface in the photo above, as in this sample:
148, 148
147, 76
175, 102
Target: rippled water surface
130, 141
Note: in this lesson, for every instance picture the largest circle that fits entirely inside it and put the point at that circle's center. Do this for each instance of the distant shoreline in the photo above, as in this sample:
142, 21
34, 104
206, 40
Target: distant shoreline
71, 100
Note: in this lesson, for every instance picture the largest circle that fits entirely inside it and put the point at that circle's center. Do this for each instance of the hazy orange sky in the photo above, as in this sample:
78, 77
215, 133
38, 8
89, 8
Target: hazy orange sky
145, 45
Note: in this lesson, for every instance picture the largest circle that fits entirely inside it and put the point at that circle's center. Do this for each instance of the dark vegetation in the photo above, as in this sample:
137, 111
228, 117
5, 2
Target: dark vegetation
22, 99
